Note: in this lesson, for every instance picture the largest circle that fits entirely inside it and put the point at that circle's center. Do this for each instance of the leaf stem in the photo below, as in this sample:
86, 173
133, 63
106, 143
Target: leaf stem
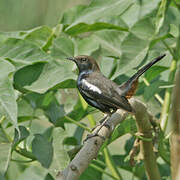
103, 171
22, 161
78, 123
25, 153
167, 98
110, 164
156, 95
3, 130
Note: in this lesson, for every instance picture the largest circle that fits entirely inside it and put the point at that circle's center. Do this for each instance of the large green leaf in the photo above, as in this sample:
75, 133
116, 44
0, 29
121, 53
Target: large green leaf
139, 10
83, 27
18, 137
134, 50
27, 75
5, 154
39, 35
63, 47
42, 149
96, 10
22, 52
87, 45
33, 172
57, 72
8, 105
154, 72
110, 41
60, 156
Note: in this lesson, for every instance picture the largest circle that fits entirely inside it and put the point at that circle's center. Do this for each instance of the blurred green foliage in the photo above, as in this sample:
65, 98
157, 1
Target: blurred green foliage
42, 116
24, 15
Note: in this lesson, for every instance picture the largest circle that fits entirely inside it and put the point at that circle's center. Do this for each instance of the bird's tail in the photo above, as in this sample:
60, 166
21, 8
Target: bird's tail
129, 87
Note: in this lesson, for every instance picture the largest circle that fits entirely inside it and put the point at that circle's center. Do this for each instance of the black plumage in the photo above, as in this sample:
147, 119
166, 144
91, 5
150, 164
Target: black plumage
102, 93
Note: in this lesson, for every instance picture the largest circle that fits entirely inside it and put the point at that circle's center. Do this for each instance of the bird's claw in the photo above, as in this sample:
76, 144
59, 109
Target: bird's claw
93, 135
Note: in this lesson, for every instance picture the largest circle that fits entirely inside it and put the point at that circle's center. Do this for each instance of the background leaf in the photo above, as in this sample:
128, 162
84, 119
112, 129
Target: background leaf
60, 156
8, 103
42, 150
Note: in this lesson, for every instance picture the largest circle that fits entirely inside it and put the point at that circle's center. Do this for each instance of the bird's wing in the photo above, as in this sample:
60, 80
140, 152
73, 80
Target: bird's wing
104, 91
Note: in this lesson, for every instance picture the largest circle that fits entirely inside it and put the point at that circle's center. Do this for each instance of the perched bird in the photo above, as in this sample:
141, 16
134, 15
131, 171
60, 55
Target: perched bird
102, 93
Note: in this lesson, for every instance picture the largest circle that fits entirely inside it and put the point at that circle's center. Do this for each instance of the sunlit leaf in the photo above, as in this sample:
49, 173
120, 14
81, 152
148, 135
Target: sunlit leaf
39, 35
5, 154
8, 103
60, 156
22, 53
96, 10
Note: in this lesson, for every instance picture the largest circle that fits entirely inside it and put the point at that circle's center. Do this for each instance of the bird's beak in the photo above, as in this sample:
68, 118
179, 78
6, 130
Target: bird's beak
71, 58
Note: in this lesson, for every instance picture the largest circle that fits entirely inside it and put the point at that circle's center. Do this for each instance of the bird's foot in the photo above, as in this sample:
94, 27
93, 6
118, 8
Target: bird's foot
89, 136
96, 133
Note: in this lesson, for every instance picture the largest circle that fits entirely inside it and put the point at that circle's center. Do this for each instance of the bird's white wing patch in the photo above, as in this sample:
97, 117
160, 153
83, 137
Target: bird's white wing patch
91, 86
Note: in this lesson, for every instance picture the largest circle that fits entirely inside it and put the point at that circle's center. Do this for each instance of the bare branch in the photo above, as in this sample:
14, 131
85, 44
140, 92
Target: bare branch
91, 147
143, 121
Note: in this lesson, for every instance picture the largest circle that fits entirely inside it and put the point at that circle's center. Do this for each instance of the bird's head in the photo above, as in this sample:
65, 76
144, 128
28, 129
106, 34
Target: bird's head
85, 63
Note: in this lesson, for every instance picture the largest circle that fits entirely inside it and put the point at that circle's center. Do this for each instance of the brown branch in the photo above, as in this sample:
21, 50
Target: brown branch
175, 138
91, 147
143, 119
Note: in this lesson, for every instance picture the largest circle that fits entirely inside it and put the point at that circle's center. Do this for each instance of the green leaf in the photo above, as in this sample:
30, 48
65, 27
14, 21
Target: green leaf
33, 172
160, 16
8, 105
70, 141
55, 112
5, 154
139, 10
27, 75
138, 170
96, 10
22, 53
83, 27
87, 45
49, 104
164, 148
54, 74
78, 111
39, 35
154, 72
110, 41
17, 34
42, 149
57, 73
91, 174
144, 29
24, 109
174, 31
20, 136
3, 136
60, 156
132, 53
151, 90
63, 47
127, 126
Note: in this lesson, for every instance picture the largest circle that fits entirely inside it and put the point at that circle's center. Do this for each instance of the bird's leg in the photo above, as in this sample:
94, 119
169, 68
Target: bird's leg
103, 122
98, 128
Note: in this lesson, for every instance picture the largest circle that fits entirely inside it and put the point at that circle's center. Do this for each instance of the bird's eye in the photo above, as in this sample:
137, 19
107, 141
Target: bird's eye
83, 59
